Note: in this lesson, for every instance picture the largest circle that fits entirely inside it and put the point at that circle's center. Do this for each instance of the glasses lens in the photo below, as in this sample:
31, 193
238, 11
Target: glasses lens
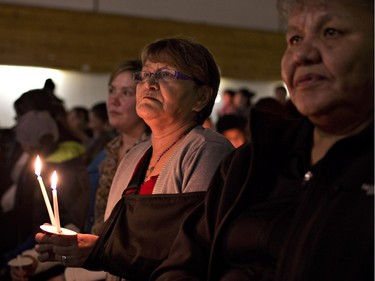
165, 75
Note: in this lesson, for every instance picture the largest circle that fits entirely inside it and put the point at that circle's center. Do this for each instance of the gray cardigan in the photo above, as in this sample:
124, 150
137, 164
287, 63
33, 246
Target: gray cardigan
189, 169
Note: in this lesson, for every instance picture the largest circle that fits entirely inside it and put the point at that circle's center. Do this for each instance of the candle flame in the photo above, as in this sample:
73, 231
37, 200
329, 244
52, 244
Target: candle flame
54, 180
38, 166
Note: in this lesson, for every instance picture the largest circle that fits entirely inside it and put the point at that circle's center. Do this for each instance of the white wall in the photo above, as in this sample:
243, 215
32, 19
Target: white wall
78, 88
74, 88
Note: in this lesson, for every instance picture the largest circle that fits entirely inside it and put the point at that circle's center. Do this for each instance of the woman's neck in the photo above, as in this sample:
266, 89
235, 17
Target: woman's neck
163, 146
131, 138
162, 138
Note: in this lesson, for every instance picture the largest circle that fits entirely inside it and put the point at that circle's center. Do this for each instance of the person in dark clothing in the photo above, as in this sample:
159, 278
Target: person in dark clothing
297, 203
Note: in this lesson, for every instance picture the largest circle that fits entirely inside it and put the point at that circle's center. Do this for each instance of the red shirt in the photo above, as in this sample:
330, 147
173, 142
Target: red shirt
148, 186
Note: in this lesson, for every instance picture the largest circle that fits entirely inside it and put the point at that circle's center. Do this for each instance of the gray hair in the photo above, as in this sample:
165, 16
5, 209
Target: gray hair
285, 7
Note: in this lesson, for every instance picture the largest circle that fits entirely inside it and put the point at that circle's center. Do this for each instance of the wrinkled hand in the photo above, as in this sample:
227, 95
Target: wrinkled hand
76, 248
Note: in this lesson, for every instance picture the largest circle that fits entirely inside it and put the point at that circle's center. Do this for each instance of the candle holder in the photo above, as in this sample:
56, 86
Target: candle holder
21, 262
53, 230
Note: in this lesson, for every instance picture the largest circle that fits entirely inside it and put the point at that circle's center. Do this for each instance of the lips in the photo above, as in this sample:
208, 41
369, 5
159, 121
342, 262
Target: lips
149, 95
307, 79
114, 113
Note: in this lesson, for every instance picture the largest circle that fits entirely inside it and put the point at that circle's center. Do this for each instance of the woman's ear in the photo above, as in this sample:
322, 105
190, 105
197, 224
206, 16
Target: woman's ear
204, 96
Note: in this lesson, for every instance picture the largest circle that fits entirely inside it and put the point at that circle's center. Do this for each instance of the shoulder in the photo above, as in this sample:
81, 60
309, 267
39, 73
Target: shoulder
200, 135
137, 151
203, 146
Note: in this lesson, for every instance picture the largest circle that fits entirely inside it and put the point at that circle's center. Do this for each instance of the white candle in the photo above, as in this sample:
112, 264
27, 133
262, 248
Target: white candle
55, 201
38, 167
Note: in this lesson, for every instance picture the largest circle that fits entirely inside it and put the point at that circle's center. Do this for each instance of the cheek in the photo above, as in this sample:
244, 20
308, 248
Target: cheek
129, 109
286, 68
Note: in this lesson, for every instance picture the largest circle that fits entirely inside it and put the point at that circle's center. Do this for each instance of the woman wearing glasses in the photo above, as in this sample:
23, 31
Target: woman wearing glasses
176, 91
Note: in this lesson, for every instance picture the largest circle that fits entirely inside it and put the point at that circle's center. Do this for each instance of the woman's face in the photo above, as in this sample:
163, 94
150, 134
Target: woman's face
95, 123
121, 102
235, 136
166, 103
328, 63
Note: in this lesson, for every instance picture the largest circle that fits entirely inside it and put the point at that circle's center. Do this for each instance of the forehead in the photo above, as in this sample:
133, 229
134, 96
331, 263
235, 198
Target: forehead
160, 55
309, 13
152, 65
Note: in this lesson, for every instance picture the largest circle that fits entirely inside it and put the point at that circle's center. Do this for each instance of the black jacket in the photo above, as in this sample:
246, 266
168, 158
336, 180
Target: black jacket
328, 233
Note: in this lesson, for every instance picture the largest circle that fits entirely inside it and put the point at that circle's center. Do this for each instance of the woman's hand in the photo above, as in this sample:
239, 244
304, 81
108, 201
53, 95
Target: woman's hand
70, 250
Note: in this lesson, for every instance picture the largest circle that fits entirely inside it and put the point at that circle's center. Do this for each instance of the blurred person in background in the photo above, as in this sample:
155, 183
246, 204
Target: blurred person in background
242, 101
78, 120
234, 128
102, 132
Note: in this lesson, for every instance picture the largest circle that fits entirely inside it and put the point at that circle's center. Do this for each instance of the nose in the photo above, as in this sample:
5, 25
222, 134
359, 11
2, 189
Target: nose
113, 99
151, 83
307, 52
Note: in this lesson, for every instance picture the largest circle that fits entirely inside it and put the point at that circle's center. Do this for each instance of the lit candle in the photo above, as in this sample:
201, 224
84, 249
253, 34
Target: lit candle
38, 168
55, 201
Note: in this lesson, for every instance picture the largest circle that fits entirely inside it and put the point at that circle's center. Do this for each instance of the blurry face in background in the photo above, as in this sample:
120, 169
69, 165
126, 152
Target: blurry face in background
95, 123
240, 100
227, 98
75, 121
235, 136
121, 102
328, 64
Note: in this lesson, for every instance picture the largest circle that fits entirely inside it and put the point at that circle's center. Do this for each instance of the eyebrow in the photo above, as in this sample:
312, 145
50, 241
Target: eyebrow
325, 18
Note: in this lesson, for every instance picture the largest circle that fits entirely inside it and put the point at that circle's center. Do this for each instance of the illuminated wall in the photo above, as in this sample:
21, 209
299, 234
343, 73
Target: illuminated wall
79, 88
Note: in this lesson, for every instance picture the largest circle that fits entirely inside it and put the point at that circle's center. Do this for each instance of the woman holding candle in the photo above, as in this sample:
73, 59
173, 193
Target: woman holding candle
176, 91
38, 134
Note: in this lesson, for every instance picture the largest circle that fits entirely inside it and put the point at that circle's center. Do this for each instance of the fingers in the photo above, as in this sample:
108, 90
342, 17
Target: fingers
46, 256
44, 247
70, 260
52, 247
43, 238
61, 240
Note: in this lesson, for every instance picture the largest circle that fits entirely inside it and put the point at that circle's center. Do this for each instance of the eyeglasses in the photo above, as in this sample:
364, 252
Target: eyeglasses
164, 75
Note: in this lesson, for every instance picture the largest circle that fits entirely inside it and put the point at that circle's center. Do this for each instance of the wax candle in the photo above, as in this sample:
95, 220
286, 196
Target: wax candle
38, 168
55, 201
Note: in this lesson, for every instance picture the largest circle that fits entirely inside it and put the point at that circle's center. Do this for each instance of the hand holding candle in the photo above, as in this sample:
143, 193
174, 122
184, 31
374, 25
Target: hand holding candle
38, 167
55, 201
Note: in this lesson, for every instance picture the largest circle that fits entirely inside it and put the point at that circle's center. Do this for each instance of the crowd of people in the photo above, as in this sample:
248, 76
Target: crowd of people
280, 189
